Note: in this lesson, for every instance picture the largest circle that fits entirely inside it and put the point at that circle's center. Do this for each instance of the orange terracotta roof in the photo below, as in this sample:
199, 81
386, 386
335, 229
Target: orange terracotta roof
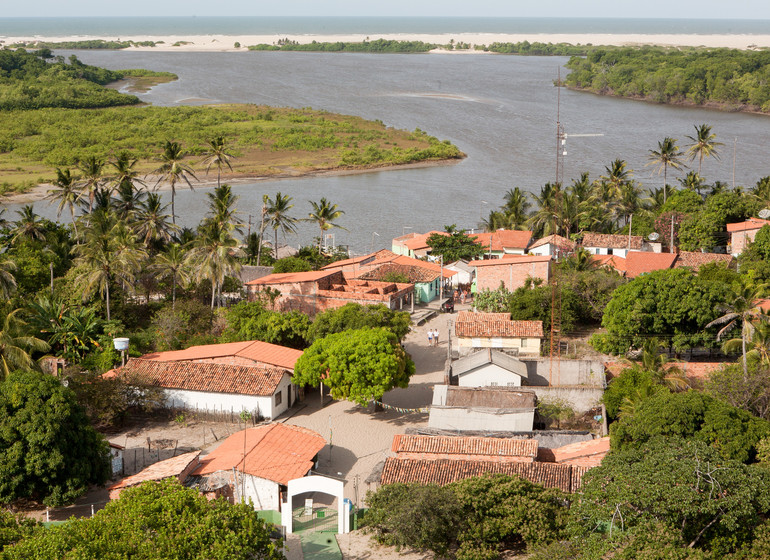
444, 471
256, 350
495, 448
557, 240
642, 262
207, 377
413, 274
290, 277
167, 468
751, 223
611, 261
277, 452
486, 325
696, 260
692, 370
503, 239
586, 453
409, 261
420, 240
355, 260
612, 241
511, 259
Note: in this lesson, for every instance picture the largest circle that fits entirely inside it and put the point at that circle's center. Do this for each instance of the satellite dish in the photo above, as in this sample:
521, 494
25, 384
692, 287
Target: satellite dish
764, 213
654, 236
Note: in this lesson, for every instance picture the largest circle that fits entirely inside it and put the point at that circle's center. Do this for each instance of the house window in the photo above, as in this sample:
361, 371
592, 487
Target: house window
511, 384
609, 251
493, 384
278, 398
523, 342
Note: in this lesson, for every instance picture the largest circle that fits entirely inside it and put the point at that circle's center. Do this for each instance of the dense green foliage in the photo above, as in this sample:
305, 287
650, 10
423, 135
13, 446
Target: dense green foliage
376, 46
48, 450
291, 264
87, 44
631, 385
156, 521
454, 246
252, 321
730, 431
13, 528
354, 316
538, 49
728, 77
359, 365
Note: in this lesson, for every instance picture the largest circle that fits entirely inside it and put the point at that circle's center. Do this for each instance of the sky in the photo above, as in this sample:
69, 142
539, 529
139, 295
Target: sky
709, 9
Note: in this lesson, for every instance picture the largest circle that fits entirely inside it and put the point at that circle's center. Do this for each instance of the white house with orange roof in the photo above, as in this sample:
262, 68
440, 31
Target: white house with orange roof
503, 242
414, 244
743, 233
497, 330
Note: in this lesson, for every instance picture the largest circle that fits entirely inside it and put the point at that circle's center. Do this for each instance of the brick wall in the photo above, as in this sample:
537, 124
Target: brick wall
740, 239
512, 275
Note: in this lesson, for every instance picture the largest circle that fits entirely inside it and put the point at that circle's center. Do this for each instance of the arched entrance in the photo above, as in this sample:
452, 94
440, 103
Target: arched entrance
315, 483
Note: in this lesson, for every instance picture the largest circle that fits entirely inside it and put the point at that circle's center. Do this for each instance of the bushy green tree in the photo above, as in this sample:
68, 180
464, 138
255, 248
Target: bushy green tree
157, 521
633, 384
359, 365
48, 450
455, 245
356, 316
291, 264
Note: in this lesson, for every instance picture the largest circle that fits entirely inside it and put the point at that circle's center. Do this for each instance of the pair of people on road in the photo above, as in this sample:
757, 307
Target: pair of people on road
432, 337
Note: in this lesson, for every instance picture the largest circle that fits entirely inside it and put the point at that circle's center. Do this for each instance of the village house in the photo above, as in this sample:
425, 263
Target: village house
178, 467
497, 330
743, 233
473, 448
554, 246
486, 368
414, 244
503, 242
246, 353
353, 267
316, 291
465, 273
637, 263
511, 271
618, 245
426, 276
485, 409
255, 465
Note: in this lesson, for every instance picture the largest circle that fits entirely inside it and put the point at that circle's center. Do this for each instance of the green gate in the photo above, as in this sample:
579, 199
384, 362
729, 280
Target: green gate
317, 520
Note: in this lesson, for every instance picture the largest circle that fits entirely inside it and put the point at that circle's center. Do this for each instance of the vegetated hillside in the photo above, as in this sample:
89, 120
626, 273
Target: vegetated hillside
267, 141
728, 78
38, 80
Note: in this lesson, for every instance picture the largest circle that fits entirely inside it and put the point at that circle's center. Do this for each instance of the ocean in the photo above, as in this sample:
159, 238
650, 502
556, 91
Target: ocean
366, 26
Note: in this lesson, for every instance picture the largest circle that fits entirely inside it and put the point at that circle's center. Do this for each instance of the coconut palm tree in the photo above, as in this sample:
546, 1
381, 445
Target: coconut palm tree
218, 155
214, 256
663, 370
7, 280
151, 223
617, 175
667, 155
496, 220
173, 263
516, 208
543, 220
16, 346
277, 215
323, 215
29, 225
125, 174
222, 208
704, 144
128, 201
580, 261
757, 348
692, 181
66, 192
741, 310
173, 170
92, 170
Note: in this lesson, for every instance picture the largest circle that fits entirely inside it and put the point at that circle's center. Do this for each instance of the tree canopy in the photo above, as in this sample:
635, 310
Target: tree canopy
359, 365
355, 316
455, 245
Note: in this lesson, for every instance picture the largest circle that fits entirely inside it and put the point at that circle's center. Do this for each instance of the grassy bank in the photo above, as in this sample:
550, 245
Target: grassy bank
267, 141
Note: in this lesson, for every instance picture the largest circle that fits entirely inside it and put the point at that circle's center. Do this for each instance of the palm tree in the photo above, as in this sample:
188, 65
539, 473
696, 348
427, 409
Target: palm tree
222, 208
128, 201
29, 225
617, 176
580, 261
16, 346
692, 181
277, 215
659, 366
66, 192
496, 220
7, 280
92, 169
174, 170
744, 310
704, 144
516, 208
218, 155
151, 222
667, 155
757, 348
543, 219
125, 174
108, 253
761, 191
324, 215
214, 256
173, 263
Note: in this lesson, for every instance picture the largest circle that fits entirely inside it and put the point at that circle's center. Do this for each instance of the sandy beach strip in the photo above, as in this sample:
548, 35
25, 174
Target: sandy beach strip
225, 43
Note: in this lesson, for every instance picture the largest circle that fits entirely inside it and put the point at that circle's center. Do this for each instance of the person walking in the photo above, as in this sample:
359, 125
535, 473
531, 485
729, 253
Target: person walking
435, 337
430, 337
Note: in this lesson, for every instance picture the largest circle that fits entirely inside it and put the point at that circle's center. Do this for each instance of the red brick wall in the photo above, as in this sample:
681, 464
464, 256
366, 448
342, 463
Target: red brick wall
740, 239
512, 275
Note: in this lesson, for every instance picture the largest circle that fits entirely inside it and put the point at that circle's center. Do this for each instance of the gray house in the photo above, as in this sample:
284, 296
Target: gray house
487, 368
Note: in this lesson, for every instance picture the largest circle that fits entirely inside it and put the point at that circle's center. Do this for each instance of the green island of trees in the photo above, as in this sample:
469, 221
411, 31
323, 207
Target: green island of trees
376, 46
722, 78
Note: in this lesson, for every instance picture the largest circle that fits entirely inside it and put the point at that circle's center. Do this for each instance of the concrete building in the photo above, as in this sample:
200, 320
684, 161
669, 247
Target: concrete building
743, 233
497, 330
511, 271
494, 409
465, 273
487, 368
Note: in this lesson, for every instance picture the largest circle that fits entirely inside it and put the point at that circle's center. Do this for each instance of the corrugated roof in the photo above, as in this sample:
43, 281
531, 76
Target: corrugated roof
642, 262
509, 260
207, 377
444, 471
450, 445
277, 452
159, 471
256, 350
489, 356
612, 241
495, 325
751, 223
290, 277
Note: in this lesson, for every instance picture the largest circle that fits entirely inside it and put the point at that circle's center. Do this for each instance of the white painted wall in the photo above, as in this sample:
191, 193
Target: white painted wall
263, 493
489, 375
264, 406
605, 251
526, 346
464, 419
543, 250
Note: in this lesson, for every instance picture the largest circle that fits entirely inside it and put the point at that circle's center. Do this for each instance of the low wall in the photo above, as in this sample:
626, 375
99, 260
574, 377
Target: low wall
588, 373
581, 399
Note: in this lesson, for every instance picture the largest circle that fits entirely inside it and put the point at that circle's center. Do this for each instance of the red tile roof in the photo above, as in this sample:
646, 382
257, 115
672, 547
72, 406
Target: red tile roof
751, 223
692, 370
612, 241
409, 261
414, 274
611, 261
444, 471
291, 277
383, 253
167, 468
207, 377
696, 260
277, 452
503, 239
642, 262
494, 448
511, 259
420, 240
486, 325
586, 453
557, 240
256, 350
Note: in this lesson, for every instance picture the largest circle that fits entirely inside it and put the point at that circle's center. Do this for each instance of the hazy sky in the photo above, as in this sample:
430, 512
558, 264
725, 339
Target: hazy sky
740, 9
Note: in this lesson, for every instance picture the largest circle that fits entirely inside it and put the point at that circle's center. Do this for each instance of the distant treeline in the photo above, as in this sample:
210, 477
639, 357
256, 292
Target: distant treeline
37, 80
86, 45
727, 77
377, 46
537, 49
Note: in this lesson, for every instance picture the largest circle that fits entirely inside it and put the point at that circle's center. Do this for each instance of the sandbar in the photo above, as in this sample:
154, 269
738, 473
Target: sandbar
226, 43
